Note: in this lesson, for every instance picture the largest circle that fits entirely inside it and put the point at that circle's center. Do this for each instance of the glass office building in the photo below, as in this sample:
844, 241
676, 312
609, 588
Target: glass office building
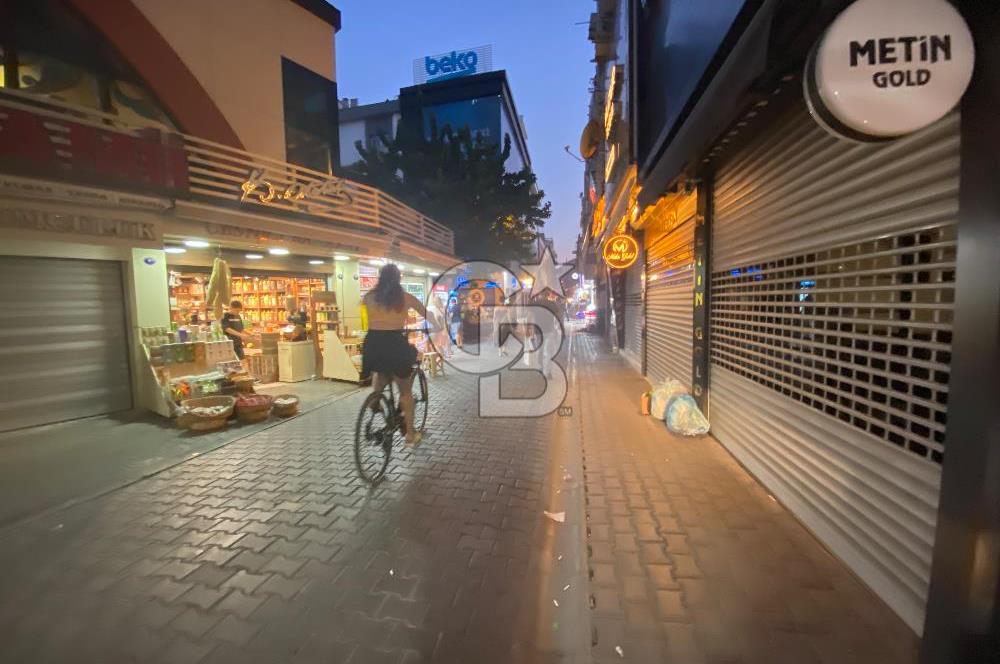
481, 102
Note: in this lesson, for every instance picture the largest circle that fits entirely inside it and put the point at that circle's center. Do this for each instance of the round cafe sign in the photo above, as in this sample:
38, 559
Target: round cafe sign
886, 68
620, 251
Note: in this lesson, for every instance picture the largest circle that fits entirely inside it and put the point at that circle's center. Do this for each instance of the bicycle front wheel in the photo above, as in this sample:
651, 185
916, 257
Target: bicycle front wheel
420, 403
373, 435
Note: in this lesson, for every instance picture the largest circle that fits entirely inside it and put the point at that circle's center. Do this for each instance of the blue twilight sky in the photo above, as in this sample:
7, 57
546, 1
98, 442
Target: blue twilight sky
547, 58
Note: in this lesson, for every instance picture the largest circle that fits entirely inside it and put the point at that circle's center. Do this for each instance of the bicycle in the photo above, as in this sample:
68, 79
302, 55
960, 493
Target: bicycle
380, 418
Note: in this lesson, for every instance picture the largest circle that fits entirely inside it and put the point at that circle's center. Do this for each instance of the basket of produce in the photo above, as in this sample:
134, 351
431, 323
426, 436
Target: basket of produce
285, 405
208, 413
253, 407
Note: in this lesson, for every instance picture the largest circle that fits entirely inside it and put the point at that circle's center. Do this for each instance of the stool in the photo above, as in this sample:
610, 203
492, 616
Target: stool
432, 363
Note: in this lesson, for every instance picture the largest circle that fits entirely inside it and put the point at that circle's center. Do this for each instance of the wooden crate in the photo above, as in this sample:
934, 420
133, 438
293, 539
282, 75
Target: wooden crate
263, 367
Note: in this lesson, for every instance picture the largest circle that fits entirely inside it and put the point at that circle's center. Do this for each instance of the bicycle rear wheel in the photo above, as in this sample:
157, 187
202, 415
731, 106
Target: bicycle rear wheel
373, 435
420, 403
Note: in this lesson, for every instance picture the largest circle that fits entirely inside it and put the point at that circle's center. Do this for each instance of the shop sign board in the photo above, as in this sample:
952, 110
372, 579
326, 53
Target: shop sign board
80, 224
464, 62
620, 251
144, 159
887, 68
313, 197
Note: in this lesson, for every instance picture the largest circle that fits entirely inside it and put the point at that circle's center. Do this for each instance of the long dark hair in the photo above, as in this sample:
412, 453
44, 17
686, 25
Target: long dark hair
388, 293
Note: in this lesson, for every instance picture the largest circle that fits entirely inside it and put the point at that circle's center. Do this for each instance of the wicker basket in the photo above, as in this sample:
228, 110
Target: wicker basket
203, 422
248, 414
286, 410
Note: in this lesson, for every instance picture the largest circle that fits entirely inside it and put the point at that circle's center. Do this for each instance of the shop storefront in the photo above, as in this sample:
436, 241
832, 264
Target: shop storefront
669, 230
832, 287
117, 268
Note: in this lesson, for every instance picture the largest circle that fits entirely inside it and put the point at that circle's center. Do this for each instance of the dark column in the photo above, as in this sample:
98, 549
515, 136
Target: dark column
963, 608
702, 291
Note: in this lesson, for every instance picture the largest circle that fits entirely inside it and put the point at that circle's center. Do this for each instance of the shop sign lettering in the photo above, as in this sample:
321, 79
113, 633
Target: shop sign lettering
700, 318
36, 220
146, 159
620, 251
886, 68
311, 197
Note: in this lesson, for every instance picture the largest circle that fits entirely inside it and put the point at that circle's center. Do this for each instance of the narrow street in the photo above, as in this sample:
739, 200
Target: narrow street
271, 550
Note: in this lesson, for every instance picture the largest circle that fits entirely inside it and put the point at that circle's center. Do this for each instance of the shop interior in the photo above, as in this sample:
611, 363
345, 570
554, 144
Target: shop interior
302, 320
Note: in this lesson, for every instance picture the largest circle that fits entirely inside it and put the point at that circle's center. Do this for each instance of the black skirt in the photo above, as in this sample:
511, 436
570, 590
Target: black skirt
387, 352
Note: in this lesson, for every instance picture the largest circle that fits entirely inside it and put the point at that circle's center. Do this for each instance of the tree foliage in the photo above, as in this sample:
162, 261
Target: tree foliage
460, 181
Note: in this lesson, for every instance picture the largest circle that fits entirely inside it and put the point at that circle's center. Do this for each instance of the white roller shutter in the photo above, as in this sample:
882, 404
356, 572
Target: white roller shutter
669, 309
831, 308
63, 342
633, 314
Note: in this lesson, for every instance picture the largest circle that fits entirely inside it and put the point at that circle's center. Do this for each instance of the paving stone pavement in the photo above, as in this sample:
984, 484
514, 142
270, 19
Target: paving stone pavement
270, 549
692, 561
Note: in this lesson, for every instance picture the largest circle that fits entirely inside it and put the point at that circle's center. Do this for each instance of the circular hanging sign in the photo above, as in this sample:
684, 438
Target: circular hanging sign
476, 297
620, 251
886, 68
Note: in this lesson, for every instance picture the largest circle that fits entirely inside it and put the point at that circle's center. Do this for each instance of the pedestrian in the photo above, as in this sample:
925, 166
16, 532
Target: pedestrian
232, 326
455, 320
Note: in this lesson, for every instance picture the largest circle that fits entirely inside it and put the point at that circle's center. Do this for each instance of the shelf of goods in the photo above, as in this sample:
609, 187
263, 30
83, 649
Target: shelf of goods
177, 371
263, 297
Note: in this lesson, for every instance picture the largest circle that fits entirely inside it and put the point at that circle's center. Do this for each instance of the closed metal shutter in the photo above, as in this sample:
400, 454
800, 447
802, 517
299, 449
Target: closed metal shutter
669, 309
633, 314
831, 309
63, 341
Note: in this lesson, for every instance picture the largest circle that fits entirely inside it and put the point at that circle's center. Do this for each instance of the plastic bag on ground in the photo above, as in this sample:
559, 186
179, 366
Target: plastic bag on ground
685, 418
662, 395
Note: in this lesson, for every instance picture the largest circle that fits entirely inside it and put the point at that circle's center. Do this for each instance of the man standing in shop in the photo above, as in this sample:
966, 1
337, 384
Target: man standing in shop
232, 326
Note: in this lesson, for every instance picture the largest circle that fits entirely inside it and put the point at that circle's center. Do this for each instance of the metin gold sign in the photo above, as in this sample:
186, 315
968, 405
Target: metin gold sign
620, 251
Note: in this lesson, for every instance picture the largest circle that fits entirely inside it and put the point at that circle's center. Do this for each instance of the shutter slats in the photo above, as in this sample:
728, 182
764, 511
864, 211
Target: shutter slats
831, 310
669, 308
63, 341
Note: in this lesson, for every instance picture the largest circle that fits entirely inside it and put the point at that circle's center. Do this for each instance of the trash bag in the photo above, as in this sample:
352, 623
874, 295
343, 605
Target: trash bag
684, 417
662, 395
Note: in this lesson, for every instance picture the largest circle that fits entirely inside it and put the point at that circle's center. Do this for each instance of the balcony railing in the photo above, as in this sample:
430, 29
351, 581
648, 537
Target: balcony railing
41, 136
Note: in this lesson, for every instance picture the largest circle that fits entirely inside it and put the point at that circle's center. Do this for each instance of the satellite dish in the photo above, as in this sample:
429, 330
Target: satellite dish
590, 141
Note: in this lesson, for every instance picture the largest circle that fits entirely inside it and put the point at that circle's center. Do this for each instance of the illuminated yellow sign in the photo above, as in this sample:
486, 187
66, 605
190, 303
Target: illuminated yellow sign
620, 251
312, 197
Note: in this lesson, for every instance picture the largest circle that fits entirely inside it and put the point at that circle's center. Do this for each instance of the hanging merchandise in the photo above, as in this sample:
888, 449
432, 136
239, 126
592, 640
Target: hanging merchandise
219, 288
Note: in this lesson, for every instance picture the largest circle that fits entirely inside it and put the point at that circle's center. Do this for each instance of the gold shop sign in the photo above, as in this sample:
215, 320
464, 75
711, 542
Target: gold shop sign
314, 197
620, 251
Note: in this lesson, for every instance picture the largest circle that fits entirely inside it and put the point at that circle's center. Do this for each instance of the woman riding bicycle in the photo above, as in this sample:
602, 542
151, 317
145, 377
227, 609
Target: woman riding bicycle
386, 351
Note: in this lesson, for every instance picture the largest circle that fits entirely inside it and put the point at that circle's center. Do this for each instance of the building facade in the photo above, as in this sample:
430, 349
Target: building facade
815, 287
135, 147
367, 124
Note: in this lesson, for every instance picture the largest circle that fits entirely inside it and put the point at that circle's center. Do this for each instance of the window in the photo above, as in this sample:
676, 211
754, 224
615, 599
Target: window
53, 53
311, 118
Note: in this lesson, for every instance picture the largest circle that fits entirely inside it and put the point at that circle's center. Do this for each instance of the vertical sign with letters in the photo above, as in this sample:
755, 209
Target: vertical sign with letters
700, 331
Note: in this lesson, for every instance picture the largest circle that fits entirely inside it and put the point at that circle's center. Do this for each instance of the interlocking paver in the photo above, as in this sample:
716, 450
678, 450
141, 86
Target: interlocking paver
270, 549
719, 559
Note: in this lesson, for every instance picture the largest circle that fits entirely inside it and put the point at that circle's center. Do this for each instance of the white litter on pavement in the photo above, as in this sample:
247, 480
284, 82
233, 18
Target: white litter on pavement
621, 653
556, 603
566, 587
392, 572
558, 517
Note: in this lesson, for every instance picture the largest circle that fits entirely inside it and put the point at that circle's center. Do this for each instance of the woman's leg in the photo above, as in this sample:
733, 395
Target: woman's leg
405, 386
